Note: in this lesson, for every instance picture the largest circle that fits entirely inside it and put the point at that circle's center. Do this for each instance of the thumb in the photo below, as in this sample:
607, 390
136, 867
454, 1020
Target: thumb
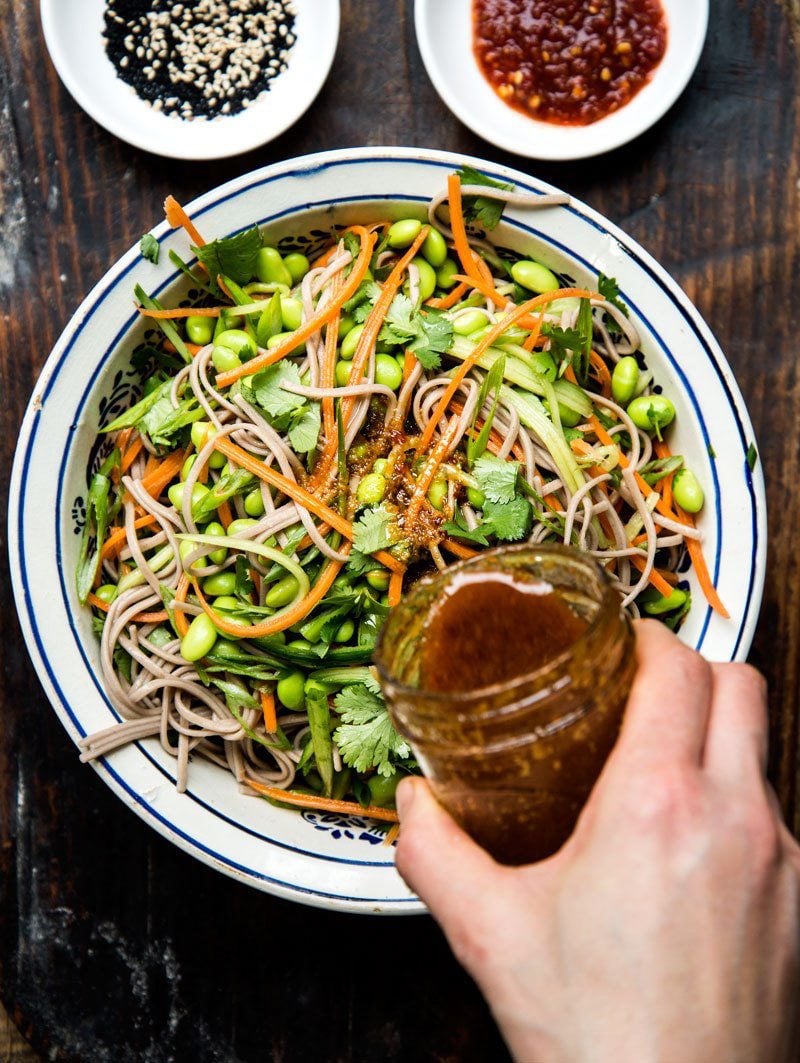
457, 879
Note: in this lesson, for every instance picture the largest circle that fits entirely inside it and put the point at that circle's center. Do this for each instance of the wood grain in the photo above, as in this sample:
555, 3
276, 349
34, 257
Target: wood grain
114, 945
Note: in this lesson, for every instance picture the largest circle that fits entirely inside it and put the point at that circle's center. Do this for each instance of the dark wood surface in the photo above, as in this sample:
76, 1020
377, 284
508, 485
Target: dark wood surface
114, 945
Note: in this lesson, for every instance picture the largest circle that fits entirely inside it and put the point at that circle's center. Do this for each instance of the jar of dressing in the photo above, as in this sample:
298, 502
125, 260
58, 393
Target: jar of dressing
509, 674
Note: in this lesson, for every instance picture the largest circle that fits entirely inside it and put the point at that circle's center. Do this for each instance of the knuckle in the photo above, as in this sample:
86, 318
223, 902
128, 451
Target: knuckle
665, 797
749, 680
692, 669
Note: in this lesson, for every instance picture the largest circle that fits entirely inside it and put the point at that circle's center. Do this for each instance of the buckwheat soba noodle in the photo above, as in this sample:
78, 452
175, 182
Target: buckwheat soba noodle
313, 436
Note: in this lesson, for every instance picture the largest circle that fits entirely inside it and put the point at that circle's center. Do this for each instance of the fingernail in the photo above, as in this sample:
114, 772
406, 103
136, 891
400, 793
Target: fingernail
404, 796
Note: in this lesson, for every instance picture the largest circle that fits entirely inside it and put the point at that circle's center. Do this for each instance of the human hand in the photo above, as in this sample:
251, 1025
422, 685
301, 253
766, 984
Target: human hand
667, 926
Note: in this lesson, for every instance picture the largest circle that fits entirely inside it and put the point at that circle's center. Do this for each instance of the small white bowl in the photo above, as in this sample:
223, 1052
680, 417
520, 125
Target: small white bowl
326, 859
444, 35
73, 32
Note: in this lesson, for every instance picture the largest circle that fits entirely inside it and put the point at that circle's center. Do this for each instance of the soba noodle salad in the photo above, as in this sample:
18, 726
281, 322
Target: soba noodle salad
313, 436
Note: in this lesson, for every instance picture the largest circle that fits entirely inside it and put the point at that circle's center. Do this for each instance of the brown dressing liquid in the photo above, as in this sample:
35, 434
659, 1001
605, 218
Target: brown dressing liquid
491, 629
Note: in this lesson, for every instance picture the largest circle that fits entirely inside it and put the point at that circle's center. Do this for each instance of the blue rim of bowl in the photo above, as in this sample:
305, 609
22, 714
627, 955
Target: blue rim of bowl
312, 164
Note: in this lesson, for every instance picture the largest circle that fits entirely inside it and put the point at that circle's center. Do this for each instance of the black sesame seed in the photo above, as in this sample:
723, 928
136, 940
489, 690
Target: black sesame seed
203, 59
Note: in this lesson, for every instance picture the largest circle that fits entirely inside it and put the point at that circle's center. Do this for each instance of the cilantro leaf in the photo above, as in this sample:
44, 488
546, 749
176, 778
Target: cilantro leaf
269, 393
233, 256
482, 209
374, 530
458, 529
563, 342
510, 521
304, 433
359, 564
150, 248
752, 457
427, 335
496, 477
365, 737
609, 289
367, 292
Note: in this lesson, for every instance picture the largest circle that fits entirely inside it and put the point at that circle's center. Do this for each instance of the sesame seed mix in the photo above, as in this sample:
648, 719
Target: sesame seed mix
203, 59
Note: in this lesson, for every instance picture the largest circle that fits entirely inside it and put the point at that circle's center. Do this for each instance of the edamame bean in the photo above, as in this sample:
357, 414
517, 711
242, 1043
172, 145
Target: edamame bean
224, 359
291, 691
382, 790
342, 373
403, 232
238, 341
184, 549
388, 372
254, 503
199, 639
291, 313
475, 497
239, 525
186, 468
624, 380
107, 593
651, 412
199, 329
225, 647
225, 603
468, 321
427, 278
380, 466
371, 489
282, 593
222, 583
271, 269
202, 433
346, 324
666, 605
216, 557
345, 632
378, 579
434, 248
437, 494
280, 337
687, 492
298, 265
535, 277
446, 274
175, 494
569, 418
300, 644
350, 342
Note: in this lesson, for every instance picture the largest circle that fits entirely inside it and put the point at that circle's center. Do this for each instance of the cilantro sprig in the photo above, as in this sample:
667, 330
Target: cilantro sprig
366, 737
484, 210
428, 335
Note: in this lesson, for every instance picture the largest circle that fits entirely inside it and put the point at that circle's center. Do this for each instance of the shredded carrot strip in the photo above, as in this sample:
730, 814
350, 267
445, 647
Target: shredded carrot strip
655, 578
532, 338
494, 333
465, 253
270, 715
178, 218
192, 348
426, 477
140, 618
409, 361
225, 514
282, 621
315, 323
181, 311
452, 297
392, 835
329, 365
118, 538
130, 455
155, 482
181, 623
458, 549
601, 373
663, 451
395, 588
324, 804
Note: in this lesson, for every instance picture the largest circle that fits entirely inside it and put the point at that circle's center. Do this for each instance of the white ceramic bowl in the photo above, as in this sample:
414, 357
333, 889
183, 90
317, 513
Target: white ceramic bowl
73, 32
444, 35
318, 859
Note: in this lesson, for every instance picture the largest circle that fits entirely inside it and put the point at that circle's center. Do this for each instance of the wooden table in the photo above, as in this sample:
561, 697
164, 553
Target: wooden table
114, 945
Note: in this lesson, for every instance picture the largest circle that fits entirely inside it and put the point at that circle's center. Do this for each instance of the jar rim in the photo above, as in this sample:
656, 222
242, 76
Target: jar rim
609, 600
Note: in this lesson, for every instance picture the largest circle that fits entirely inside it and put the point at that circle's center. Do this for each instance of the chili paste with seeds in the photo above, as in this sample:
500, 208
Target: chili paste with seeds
571, 62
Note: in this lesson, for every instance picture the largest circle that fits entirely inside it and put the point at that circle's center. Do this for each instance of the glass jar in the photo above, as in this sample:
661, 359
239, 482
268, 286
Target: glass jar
515, 762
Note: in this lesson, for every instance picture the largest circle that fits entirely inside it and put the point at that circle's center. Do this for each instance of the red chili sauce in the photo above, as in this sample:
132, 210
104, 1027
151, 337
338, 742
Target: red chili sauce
568, 61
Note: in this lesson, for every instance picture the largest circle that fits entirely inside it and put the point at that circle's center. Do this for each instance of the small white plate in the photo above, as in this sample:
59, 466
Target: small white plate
444, 35
73, 32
